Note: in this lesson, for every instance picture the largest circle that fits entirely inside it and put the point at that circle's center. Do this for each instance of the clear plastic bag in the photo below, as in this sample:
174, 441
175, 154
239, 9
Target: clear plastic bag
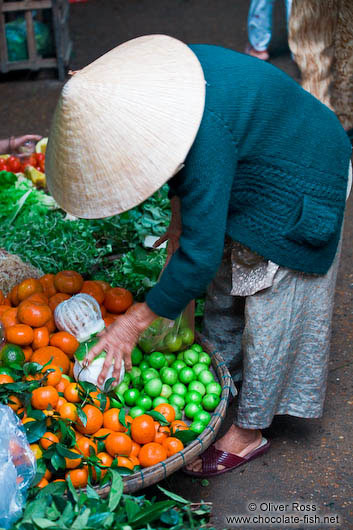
170, 336
17, 467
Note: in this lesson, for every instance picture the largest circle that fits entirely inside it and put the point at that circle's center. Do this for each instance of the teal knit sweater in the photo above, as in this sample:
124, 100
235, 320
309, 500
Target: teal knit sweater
268, 168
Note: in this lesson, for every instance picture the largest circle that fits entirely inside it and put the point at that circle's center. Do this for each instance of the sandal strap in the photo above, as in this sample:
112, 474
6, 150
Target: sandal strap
212, 458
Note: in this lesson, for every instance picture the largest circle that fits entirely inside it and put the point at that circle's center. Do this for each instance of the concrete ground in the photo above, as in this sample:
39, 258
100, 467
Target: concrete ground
310, 460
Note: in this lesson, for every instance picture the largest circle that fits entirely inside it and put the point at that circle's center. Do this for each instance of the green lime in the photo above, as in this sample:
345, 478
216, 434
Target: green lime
180, 356
4, 370
191, 410
191, 357
214, 388
157, 360
170, 358
205, 358
197, 426
178, 413
144, 402
166, 391
187, 336
144, 365
186, 375
131, 396
203, 416
115, 403
179, 388
169, 375
210, 401
11, 354
146, 345
173, 342
177, 401
127, 378
150, 373
205, 377
158, 401
196, 347
137, 382
121, 388
136, 411
153, 387
193, 397
136, 356
178, 365
134, 372
199, 367
199, 387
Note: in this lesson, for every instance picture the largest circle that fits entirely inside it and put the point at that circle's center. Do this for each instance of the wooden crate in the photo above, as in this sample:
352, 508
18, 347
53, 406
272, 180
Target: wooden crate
63, 45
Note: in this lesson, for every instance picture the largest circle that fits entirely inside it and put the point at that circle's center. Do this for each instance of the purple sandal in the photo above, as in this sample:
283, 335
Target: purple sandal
213, 457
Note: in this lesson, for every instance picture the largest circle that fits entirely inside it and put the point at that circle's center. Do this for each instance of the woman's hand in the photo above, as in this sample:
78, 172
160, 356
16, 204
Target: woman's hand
173, 233
120, 338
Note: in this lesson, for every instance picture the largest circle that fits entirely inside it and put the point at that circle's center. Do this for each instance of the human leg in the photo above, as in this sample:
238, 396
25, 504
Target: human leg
259, 28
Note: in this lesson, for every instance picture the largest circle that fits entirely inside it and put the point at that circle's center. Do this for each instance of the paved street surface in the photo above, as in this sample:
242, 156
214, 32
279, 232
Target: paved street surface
310, 461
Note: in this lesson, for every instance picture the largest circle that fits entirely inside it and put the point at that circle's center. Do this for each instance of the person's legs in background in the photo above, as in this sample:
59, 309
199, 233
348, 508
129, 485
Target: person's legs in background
259, 28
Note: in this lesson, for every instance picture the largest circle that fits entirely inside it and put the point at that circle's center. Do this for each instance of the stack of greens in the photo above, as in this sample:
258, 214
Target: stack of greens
48, 508
32, 226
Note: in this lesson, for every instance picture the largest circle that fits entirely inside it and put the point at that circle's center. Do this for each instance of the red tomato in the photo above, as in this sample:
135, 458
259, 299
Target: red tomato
40, 157
13, 164
3, 166
31, 160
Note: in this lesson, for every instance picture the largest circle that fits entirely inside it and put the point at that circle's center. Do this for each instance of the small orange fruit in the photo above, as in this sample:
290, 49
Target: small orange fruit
36, 450
94, 420
42, 483
118, 443
44, 397
19, 334
68, 411
14, 403
69, 282
124, 461
142, 429
61, 401
106, 460
9, 317
135, 449
71, 393
173, 445
28, 287
98, 400
38, 297
178, 425
65, 341
104, 285
79, 477
117, 300
102, 432
151, 454
53, 355
72, 463
50, 325
94, 290
34, 314
83, 444
4, 378
167, 411
63, 383
135, 461
47, 283
47, 474
14, 296
48, 439
56, 299
27, 350
111, 420
54, 376
40, 338
162, 433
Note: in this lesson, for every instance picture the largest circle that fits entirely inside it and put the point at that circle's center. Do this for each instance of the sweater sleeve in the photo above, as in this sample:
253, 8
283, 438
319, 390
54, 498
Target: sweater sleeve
204, 188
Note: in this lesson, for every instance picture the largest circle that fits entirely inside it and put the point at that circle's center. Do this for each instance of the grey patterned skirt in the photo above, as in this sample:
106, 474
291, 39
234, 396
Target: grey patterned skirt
277, 340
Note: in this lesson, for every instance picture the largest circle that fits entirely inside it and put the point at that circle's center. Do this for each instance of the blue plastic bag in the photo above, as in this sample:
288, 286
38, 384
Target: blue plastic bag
17, 467
16, 38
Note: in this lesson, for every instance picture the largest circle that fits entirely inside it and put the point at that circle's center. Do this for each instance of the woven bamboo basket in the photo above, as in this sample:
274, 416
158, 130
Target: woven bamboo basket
152, 475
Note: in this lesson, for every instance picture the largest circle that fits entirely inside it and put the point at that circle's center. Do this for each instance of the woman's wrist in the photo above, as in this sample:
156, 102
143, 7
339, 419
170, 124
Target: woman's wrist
143, 316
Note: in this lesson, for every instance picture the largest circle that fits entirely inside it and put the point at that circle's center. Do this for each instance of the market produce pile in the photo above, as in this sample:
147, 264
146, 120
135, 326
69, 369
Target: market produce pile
75, 429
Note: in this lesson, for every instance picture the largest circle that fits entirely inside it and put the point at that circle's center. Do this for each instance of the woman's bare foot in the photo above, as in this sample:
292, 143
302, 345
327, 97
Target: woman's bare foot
237, 441
263, 55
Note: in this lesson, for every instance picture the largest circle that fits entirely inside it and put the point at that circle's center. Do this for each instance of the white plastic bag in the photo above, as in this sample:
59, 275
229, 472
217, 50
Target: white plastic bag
17, 467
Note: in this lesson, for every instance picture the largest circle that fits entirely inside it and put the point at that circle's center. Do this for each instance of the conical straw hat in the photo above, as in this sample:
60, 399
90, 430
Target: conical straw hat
123, 125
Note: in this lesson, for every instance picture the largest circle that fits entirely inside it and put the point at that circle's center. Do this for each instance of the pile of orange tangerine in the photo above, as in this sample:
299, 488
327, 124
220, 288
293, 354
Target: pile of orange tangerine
103, 440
